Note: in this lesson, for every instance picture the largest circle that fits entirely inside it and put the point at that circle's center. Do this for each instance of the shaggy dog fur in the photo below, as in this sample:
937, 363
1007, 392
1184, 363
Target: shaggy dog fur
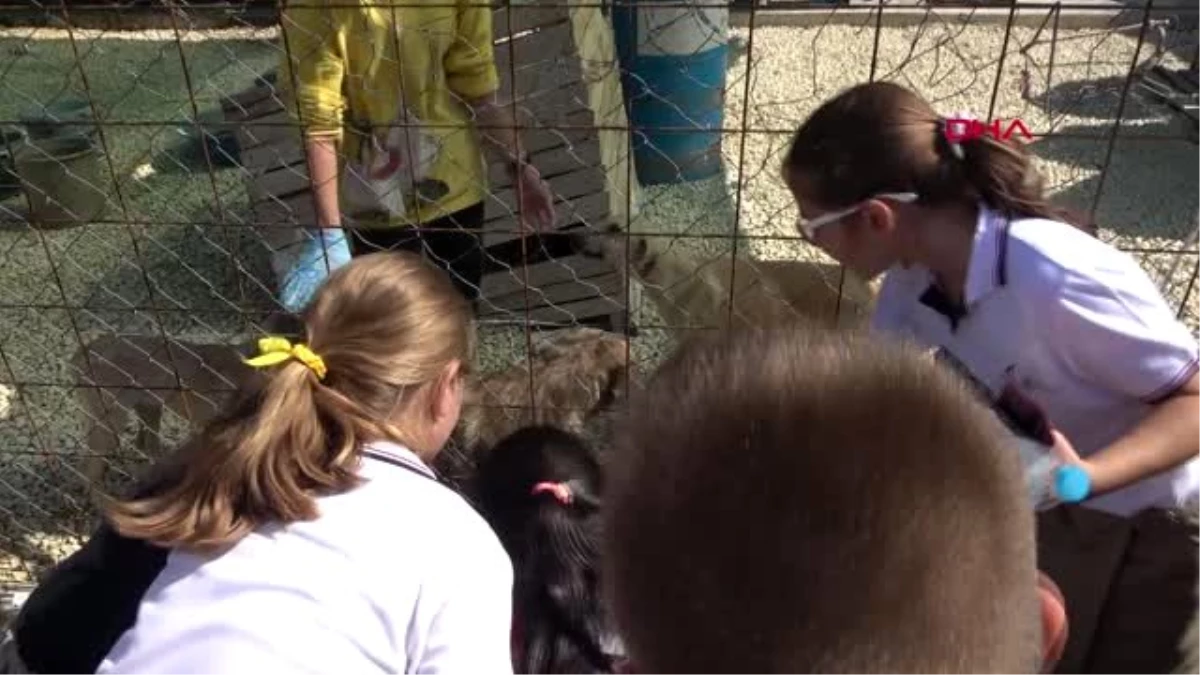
575, 374
571, 381
695, 293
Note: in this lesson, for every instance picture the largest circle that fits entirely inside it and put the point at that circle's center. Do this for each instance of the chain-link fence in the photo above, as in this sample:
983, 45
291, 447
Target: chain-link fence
154, 186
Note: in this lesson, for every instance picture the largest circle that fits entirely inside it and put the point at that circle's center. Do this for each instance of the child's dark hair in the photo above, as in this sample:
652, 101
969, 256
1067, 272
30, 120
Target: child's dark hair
539, 488
881, 137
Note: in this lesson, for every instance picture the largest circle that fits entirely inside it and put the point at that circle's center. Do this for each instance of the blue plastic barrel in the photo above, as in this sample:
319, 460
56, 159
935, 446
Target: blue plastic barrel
673, 62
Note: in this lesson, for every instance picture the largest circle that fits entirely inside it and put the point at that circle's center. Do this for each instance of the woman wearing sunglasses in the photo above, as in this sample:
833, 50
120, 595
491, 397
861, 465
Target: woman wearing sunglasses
980, 267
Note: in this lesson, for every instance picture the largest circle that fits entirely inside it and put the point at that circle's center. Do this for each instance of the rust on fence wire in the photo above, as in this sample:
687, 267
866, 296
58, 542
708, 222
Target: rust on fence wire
154, 189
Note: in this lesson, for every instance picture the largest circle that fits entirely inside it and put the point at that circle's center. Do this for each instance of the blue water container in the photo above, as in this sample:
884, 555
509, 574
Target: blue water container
673, 61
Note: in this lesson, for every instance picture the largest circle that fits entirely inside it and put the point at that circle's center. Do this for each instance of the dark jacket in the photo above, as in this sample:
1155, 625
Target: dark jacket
85, 603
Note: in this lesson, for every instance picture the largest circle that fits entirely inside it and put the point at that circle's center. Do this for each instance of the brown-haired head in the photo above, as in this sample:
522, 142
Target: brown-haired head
799, 501
394, 335
881, 138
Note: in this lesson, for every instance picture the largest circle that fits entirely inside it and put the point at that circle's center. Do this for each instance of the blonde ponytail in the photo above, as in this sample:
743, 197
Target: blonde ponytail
384, 326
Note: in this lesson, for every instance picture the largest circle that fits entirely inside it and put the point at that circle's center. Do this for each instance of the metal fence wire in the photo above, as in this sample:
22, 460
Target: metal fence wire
154, 187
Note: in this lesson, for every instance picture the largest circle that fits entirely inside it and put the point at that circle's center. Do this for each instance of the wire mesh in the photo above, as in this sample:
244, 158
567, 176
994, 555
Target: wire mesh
137, 261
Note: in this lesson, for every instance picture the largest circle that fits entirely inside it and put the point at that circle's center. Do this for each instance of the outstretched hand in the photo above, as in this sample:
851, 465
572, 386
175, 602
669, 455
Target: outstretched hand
534, 198
1067, 454
322, 254
1032, 419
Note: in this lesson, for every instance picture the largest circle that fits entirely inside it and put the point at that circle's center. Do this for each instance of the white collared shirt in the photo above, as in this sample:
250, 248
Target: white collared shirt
1077, 324
399, 575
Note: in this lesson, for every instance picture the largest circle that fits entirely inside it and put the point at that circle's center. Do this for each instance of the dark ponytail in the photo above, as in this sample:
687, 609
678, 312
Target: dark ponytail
1002, 174
881, 137
540, 489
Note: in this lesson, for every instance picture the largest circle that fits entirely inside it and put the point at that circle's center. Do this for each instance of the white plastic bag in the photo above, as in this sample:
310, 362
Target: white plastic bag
392, 162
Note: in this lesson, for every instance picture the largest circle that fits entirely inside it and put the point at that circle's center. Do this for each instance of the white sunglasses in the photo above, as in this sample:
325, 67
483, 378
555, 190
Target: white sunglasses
809, 227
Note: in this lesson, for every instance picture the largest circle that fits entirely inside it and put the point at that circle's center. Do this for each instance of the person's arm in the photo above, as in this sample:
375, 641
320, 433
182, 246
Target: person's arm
321, 152
87, 601
314, 67
1117, 333
502, 138
471, 74
498, 130
1165, 439
470, 65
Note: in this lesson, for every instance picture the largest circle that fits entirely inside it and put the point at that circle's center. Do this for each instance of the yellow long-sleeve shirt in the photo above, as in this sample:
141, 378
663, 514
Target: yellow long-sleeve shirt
362, 70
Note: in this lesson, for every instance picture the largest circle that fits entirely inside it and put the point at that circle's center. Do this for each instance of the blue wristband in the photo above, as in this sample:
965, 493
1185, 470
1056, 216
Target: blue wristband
1072, 484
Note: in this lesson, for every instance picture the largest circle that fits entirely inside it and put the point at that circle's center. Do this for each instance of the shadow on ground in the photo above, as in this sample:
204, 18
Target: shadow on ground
199, 148
1096, 99
1149, 183
212, 275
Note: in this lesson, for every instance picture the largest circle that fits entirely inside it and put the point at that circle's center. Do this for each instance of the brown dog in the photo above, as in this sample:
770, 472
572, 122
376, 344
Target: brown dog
568, 377
134, 379
571, 380
691, 292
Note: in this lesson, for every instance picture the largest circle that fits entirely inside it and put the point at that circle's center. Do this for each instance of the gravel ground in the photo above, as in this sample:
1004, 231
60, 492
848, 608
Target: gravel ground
1149, 198
196, 276
164, 251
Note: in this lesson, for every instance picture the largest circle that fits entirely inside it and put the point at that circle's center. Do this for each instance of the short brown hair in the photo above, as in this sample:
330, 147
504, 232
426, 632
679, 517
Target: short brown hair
807, 500
386, 325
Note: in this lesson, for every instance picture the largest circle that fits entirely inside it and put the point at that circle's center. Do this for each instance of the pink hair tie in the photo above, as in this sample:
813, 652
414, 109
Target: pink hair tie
956, 128
562, 493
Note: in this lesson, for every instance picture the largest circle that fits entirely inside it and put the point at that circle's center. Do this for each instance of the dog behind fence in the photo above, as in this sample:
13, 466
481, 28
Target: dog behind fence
137, 380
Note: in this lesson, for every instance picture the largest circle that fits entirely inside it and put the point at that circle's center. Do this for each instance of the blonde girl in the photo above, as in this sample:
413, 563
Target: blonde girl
306, 531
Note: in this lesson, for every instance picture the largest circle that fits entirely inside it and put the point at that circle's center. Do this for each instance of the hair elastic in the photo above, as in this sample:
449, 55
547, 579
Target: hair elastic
562, 493
275, 350
943, 128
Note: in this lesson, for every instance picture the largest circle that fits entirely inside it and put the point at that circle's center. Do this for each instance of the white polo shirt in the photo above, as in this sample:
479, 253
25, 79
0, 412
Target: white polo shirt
1079, 325
399, 575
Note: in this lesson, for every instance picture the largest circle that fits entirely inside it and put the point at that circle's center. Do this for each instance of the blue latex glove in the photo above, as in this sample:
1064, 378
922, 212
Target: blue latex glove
322, 254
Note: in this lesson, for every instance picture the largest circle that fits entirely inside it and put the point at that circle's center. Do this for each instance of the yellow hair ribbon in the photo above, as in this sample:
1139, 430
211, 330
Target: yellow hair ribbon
275, 350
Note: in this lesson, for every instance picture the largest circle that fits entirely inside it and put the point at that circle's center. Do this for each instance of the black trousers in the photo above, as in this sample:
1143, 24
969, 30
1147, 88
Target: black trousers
454, 243
1129, 583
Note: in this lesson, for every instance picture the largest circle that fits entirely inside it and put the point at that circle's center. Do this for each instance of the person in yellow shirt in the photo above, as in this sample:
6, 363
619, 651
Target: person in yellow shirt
397, 103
